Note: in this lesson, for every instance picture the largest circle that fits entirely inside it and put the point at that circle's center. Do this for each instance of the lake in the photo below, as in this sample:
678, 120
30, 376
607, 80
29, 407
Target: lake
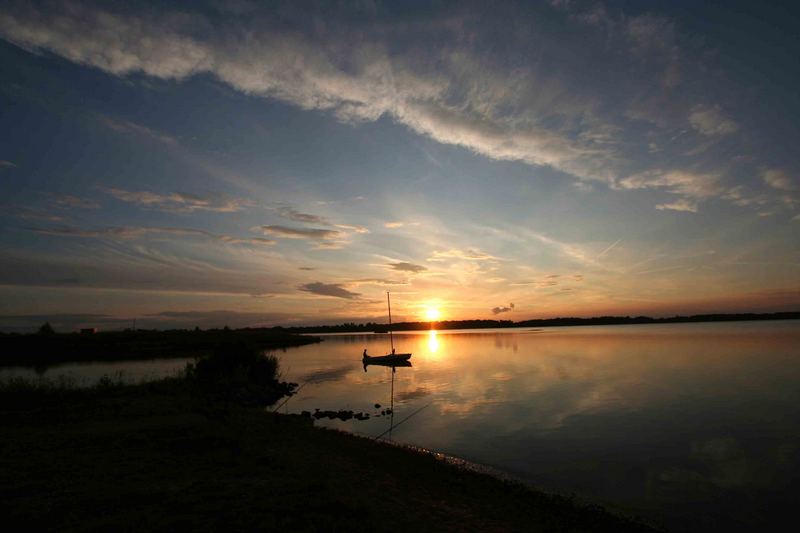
695, 426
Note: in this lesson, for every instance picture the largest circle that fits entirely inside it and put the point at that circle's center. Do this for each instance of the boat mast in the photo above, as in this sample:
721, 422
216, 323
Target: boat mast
389, 304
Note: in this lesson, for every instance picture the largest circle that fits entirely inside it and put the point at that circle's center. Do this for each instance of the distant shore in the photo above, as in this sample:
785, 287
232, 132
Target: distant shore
539, 322
43, 349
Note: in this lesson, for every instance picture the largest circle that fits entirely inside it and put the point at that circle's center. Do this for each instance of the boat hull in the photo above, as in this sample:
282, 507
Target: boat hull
389, 358
391, 364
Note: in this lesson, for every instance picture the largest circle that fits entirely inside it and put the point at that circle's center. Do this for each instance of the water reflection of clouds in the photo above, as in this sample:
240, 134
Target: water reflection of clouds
556, 376
419, 392
330, 374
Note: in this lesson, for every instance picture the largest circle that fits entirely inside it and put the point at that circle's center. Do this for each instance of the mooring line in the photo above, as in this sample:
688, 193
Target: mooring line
290, 396
403, 420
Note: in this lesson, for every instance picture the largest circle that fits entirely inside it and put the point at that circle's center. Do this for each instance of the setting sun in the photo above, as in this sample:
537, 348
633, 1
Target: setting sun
432, 313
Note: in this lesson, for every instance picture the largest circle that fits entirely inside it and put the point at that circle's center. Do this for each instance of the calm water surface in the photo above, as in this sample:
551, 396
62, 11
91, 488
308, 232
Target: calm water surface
696, 426
693, 425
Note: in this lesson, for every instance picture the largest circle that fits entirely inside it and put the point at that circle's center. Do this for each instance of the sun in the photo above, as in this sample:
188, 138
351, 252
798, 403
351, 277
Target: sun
432, 313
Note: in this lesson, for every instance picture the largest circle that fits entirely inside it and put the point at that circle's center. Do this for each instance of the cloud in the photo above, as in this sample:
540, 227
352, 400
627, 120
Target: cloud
740, 196
7, 164
315, 234
30, 213
291, 213
608, 249
61, 322
778, 179
334, 290
330, 245
695, 185
709, 120
177, 202
538, 283
394, 224
539, 96
380, 281
681, 204
128, 127
76, 202
136, 232
407, 267
355, 228
330, 374
470, 254
498, 310
212, 319
306, 268
455, 96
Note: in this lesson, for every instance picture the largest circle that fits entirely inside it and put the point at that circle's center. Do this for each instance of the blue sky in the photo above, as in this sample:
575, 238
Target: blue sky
211, 163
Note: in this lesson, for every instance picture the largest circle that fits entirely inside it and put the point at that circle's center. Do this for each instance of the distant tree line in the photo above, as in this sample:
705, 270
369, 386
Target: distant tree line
351, 327
192, 335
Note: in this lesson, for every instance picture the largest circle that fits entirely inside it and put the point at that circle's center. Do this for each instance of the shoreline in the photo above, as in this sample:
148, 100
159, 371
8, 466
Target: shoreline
154, 454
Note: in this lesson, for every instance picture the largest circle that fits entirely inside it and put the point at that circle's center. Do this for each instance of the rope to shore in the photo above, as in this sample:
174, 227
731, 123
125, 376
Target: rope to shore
403, 420
290, 396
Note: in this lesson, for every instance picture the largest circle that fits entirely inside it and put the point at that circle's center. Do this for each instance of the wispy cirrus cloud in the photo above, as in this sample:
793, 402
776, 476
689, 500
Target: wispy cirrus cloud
403, 266
135, 232
75, 202
314, 234
469, 254
7, 164
214, 318
455, 96
458, 92
291, 213
536, 283
31, 213
692, 184
334, 290
178, 202
380, 281
352, 227
133, 128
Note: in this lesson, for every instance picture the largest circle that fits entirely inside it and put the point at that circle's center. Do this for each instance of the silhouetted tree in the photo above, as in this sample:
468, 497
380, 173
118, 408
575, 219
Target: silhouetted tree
238, 373
46, 329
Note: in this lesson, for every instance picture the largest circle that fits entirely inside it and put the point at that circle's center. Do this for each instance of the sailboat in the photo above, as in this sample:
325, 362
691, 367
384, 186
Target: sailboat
396, 359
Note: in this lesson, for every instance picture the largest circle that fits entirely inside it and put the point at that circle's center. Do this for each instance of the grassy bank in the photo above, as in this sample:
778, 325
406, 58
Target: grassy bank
52, 348
158, 456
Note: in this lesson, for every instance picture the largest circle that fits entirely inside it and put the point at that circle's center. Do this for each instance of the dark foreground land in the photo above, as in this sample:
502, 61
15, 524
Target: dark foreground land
158, 456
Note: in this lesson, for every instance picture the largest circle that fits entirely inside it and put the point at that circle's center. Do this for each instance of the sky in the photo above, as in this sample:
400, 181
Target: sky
241, 163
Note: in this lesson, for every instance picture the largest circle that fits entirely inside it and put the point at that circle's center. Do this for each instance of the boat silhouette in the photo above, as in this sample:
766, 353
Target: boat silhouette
390, 359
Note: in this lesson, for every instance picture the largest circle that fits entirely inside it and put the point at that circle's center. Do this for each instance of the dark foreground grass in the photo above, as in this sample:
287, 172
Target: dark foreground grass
158, 457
